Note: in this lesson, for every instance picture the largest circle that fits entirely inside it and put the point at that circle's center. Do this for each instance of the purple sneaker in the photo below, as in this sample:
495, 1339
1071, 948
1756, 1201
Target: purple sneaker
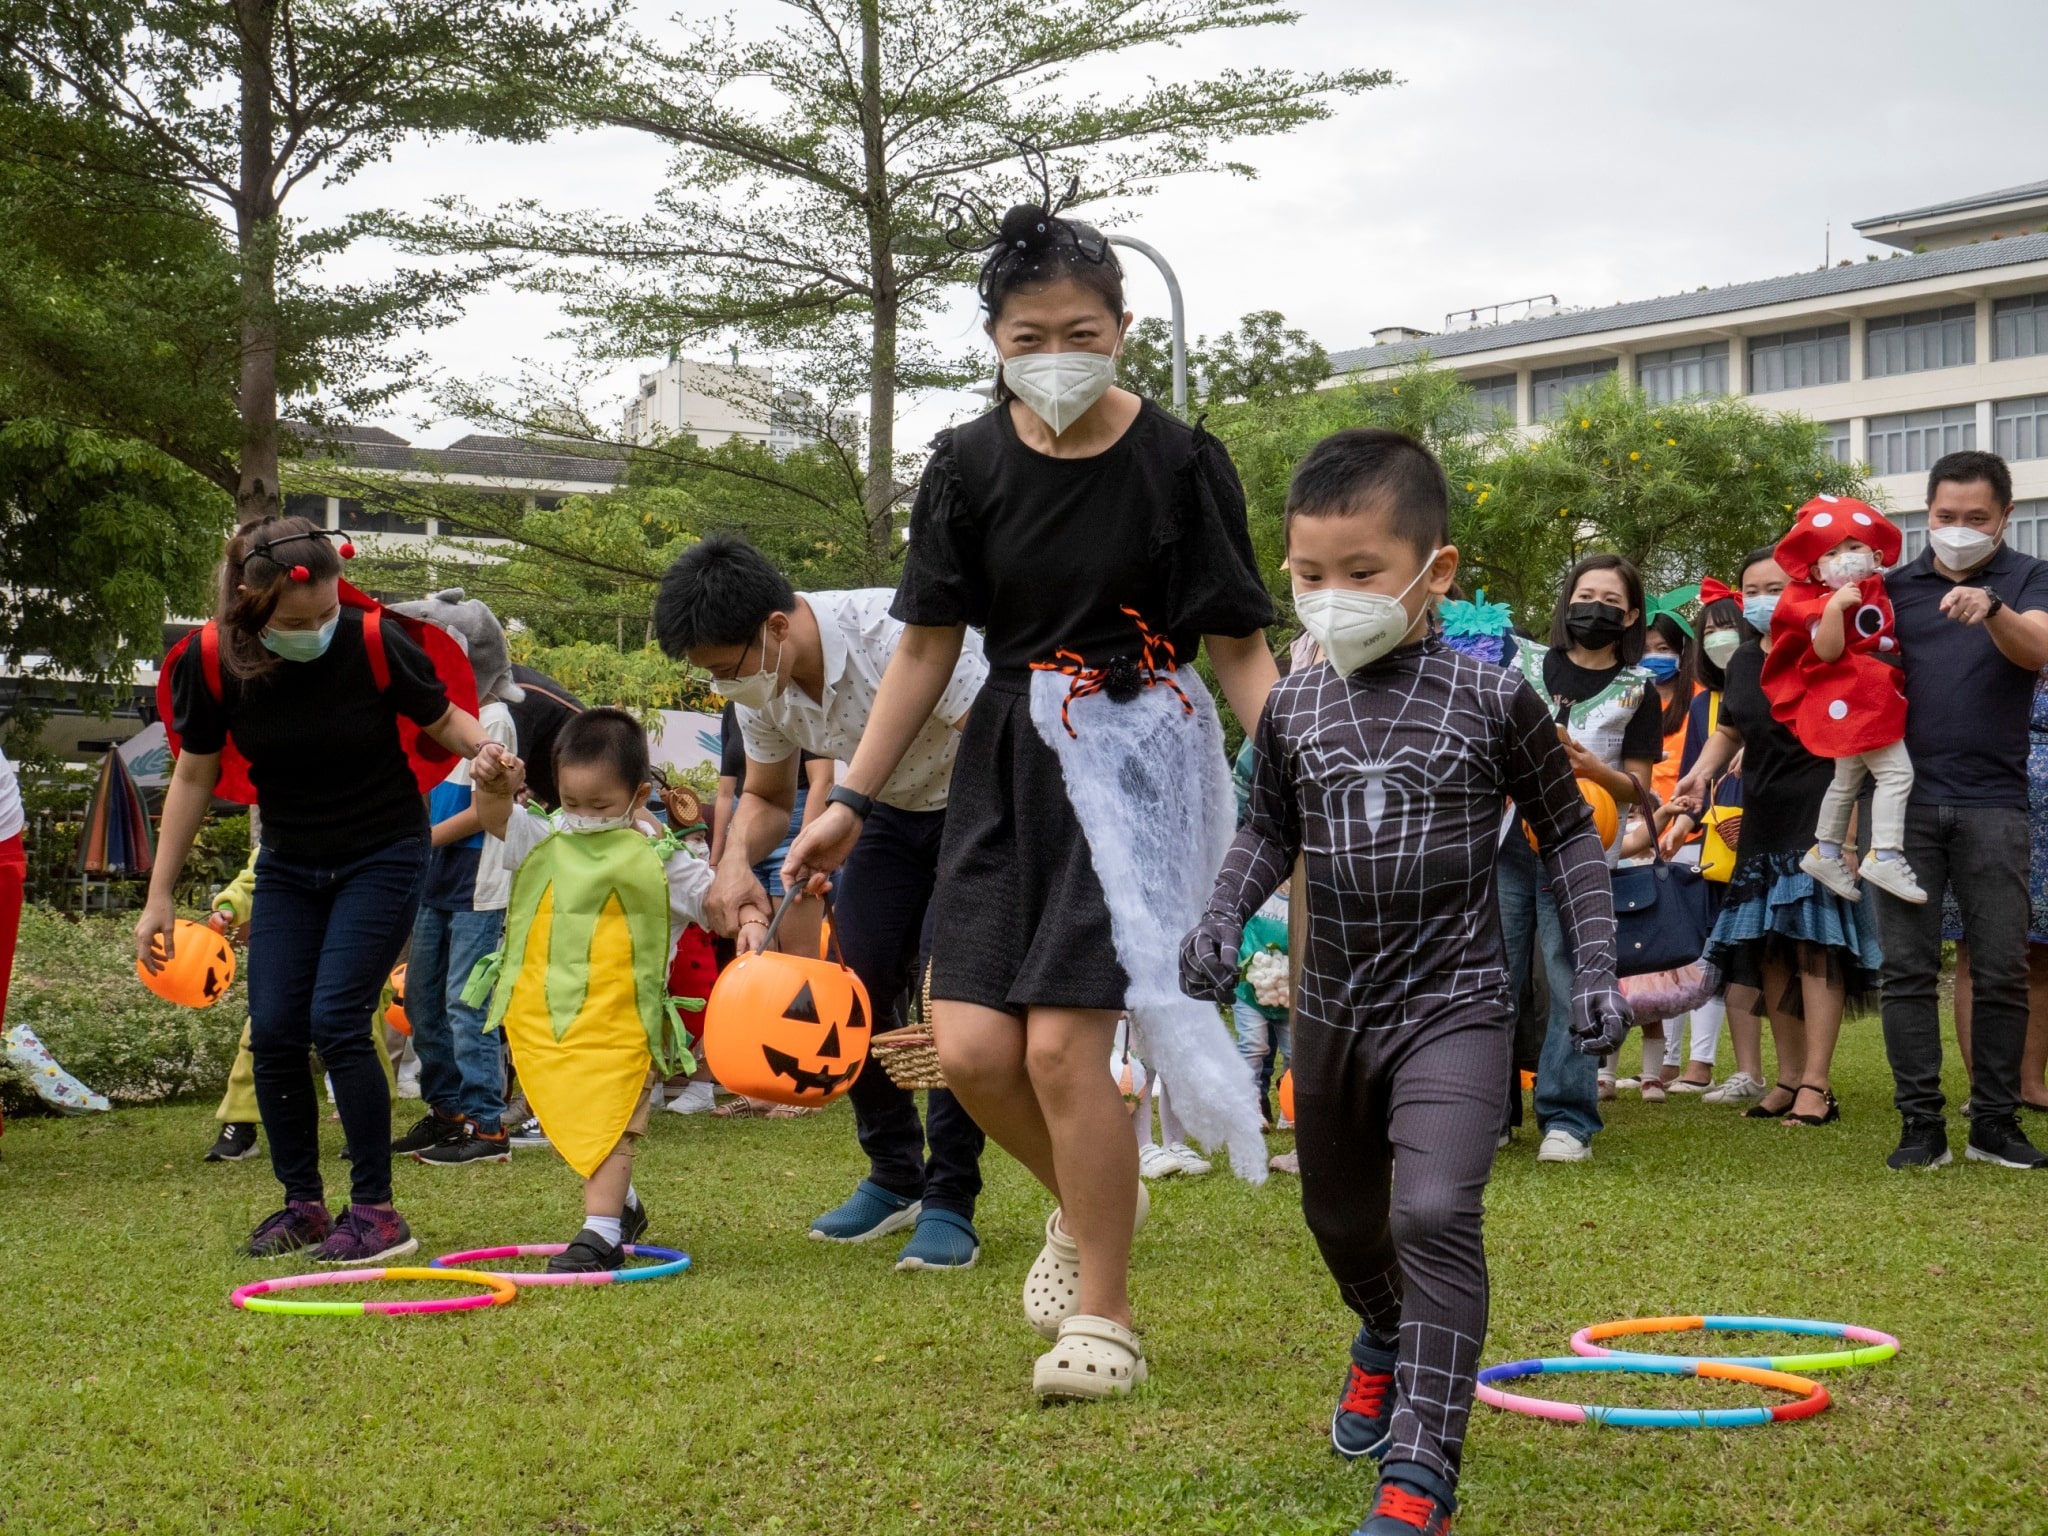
301, 1224
366, 1235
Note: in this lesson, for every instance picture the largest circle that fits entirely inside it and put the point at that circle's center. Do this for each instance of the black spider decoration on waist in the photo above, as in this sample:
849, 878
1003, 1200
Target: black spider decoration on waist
1123, 678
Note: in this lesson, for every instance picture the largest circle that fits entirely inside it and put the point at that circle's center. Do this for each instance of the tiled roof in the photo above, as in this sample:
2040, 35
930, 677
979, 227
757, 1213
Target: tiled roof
494, 458
1823, 283
2031, 190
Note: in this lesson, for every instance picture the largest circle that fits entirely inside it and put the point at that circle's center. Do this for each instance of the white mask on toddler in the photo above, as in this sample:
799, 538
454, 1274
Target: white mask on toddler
1839, 567
571, 822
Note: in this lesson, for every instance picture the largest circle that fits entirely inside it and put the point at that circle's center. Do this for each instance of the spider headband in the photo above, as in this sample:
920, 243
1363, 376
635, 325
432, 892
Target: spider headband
346, 550
1029, 237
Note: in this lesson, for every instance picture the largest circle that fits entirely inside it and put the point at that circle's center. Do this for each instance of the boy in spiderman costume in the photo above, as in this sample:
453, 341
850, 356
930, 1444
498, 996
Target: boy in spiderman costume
1833, 676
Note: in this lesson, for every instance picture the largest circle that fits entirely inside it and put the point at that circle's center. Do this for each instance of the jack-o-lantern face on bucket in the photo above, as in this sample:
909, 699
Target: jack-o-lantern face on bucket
787, 1029
200, 971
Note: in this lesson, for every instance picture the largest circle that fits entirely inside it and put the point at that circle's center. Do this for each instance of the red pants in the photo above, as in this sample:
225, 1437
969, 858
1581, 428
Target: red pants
13, 877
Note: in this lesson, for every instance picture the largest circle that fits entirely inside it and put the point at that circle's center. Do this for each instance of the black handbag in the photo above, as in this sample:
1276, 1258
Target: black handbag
1663, 913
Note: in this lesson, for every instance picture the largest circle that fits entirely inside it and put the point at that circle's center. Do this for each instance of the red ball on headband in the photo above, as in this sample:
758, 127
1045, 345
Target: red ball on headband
347, 550
300, 573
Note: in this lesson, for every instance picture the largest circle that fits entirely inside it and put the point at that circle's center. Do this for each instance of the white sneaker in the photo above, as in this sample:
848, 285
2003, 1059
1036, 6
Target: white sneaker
1736, 1088
1286, 1162
1155, 1162
1832, 873
692, 1099
1563, 1147
409, 1080
1191, 1162
1894, 876
1687, 1085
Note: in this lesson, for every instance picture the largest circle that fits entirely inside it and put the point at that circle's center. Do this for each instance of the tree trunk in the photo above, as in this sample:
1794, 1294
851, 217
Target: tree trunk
881, 484
256, 239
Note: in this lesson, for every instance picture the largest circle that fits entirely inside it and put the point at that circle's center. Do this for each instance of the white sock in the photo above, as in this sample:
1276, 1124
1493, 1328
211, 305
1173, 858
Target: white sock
632, 1198
606, 1227
1829, 850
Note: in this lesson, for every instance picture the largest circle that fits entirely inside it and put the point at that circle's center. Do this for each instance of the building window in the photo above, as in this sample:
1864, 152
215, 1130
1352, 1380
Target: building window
2019, 428
1680, 373
1835, 439
1494, 397
1927, 338
1913, 527
356, 518
302, 504
1909, 443
1549, 386
2019, 326
1799, 359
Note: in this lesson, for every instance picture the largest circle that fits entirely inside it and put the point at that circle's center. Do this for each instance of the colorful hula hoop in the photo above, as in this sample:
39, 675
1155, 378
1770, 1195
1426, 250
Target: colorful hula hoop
1874, 1346
256, 1297
671, 1262
1812, 1396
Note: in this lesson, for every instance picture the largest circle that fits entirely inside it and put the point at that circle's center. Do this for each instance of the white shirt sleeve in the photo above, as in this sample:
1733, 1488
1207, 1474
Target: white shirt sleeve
12, 821
689, 882
526, 831
764, 741
969, 673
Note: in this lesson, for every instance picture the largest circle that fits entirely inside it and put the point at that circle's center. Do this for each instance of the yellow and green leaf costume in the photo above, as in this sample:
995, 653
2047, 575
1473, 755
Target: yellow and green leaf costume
582, 984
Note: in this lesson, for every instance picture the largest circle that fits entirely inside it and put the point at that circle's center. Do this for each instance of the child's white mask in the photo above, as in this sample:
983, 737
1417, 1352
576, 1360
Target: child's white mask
1059, 387
1355, 629
571, 822
1839, 567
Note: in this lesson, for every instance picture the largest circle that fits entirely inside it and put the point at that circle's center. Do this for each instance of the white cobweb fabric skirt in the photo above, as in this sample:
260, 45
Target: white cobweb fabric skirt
1151, 790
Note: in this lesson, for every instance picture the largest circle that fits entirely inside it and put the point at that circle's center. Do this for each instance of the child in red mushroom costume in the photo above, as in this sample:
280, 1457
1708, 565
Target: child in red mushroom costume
1833, 676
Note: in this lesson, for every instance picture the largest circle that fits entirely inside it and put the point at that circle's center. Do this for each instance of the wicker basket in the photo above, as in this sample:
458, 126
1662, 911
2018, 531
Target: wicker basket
909, 1055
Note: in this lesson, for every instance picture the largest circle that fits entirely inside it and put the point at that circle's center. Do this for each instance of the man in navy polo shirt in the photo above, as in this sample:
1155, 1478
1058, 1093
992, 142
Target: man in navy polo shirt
1973, 630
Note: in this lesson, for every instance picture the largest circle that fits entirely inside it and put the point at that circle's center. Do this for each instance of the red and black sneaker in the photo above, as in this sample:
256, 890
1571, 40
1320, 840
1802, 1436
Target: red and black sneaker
472, 1146
1400, 1510
1363, 1424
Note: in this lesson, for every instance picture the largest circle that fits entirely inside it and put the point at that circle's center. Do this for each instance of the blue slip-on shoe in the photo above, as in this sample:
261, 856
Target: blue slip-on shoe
870, 1212
1363, 1423
944, 1240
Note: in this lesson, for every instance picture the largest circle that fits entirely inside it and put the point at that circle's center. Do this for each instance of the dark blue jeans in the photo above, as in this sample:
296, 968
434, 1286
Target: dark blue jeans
462, 1069
882, 921
321, 942
1567, 1084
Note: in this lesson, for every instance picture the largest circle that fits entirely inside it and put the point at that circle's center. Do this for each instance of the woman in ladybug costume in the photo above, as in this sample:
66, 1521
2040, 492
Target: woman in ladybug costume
1834, 678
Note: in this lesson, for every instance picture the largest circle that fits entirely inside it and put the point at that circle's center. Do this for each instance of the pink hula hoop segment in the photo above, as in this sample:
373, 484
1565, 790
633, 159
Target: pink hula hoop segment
257, 1297
1871, 1346
669, 1262
1811, 1397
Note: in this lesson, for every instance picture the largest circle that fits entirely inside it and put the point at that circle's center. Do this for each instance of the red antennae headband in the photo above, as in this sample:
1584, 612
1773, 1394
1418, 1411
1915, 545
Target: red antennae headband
347, 551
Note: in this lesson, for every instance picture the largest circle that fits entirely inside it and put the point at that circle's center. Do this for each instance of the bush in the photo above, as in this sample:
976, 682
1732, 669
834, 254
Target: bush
75, 986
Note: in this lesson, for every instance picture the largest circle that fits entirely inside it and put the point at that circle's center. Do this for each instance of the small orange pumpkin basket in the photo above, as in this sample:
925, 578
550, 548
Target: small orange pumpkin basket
198, 972
787, 1028
395, 1018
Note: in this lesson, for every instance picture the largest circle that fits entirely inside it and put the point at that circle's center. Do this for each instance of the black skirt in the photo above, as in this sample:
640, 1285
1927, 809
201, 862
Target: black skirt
1021, 918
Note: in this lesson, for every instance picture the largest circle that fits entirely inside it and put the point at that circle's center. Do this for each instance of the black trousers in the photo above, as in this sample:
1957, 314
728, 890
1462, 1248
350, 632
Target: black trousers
1395, 1128
882, 918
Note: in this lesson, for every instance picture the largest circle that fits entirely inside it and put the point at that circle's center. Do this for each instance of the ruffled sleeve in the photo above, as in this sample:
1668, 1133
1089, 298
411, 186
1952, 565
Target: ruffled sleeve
943, 583
1213, 579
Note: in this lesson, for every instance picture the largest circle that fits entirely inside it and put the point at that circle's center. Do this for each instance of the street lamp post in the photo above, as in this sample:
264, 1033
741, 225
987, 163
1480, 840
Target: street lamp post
1180, 322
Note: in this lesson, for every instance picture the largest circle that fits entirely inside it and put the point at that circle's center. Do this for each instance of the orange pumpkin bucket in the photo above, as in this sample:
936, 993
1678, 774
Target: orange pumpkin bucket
395, 1018
1287, 1094
787, 1028
199, 971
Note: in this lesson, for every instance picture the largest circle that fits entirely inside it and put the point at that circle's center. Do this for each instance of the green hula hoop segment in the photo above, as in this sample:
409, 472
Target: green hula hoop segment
256, 1297
1869, 1345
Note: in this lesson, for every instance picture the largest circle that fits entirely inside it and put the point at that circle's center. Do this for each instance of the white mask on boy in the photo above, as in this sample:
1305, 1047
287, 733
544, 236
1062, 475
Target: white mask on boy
1838, 568
1355, 629
571, 822
1059, 388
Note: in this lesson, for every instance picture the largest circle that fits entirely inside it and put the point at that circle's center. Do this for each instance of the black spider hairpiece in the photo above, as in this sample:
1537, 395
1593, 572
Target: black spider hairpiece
1027, 234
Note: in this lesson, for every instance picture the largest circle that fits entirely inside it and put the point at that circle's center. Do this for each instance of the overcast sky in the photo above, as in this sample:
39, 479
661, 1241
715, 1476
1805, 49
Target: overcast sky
1600, 151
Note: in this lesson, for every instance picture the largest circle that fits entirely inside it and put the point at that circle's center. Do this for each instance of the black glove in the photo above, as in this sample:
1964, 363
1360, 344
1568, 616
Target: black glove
1208, 958
1601, 1017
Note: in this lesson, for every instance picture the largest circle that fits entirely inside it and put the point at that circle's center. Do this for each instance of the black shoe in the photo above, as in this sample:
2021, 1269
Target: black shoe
632, 1222
1831, 1109
430, 1130
1757, 1111
237, 1140
472, 1146
588, 1254
2001, 1142
1923, 1144
1363, 1423
527, 1132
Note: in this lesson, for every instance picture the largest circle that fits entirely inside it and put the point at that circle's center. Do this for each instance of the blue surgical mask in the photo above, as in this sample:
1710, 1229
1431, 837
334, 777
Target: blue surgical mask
1660, 666
1757, 611
301, 644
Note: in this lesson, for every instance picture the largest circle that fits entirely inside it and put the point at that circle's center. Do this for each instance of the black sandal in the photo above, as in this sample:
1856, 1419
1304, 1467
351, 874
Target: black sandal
1833, 1113
1757, 1111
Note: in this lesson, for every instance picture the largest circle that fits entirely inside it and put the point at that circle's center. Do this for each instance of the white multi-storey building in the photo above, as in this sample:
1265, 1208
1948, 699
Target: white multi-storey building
1940, 345
713, 403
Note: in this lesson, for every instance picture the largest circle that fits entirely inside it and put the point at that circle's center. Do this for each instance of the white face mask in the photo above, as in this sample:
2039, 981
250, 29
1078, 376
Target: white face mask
1838, 568
1355, 629
1059, 387
1961, 549
1720, 645
755, 689
571, 822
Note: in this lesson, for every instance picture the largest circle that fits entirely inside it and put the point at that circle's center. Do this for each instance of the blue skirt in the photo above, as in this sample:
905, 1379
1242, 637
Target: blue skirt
1775, 913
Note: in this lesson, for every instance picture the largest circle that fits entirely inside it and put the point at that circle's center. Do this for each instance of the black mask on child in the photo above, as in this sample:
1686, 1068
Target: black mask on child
1594, 625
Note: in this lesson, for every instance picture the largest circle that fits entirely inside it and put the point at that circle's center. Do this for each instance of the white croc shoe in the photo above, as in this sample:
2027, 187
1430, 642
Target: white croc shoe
1053, 1287
1092, 1358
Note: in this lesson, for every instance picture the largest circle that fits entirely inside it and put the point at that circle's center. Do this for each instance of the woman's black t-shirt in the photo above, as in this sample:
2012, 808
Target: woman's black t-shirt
322, 741
1044, 554
1782, 782
1643, 739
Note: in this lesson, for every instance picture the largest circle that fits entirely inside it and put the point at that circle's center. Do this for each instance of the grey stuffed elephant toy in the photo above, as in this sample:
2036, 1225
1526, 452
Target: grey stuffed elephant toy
482, 638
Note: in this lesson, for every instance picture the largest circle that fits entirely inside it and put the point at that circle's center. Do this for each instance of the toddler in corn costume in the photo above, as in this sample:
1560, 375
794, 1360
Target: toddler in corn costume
1834, 677
580, 988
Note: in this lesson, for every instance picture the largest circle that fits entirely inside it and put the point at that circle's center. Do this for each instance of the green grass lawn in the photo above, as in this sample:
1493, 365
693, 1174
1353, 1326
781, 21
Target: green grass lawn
789, 1386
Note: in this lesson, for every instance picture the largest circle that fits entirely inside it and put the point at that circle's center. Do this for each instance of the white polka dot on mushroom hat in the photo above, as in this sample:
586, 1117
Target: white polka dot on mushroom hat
1861, 517
1822, 519
1838, 710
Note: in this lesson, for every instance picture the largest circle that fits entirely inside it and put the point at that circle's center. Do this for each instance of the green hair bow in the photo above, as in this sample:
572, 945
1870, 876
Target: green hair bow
1673, 604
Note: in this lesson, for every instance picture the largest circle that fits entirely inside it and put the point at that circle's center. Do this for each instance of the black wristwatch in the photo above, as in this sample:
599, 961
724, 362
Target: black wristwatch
1997, 603
861, 805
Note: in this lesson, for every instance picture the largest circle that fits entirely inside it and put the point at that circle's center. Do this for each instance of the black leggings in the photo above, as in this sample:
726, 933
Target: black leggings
1396, 1128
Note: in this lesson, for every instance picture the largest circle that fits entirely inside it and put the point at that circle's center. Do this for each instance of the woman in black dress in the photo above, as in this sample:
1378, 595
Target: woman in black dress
1098, 542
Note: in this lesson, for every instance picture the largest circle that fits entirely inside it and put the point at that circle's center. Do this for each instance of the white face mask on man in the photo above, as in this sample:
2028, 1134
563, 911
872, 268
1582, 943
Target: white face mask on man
754, 690
1059, 388
1355, 629
1961, 549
